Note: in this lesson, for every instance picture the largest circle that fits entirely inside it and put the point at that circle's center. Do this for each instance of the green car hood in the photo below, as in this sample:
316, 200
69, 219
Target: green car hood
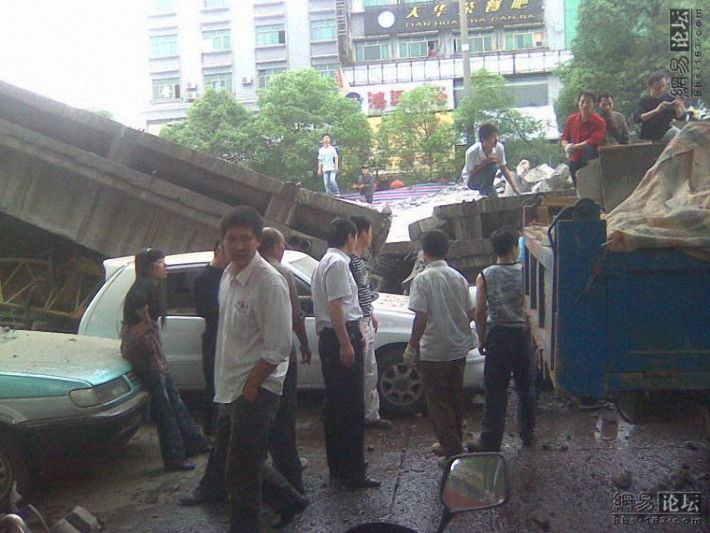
37, 363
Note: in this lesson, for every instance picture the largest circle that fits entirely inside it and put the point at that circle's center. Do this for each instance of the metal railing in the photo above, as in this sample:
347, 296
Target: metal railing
432, 69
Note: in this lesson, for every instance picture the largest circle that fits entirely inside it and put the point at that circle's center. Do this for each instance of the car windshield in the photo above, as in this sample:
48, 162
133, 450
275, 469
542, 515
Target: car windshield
306, 265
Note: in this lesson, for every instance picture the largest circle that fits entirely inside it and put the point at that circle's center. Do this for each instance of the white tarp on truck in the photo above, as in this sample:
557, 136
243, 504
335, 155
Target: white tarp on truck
670, 208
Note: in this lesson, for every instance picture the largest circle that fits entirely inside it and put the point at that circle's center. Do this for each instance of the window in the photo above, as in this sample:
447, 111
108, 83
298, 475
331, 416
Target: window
375, 3
166, 89
323, 30
178, 295
163, 46
271, 34
328, 69
372, 50
477, 43
523, 39
217, 40
265, 75
215, 3
163, 6
413, 47
304, 296
529, 92
221, 81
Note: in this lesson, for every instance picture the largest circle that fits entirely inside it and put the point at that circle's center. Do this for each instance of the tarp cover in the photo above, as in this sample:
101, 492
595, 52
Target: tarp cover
670, 208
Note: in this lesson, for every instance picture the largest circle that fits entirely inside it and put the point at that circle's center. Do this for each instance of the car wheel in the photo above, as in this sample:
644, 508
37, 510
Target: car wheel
401, 388
12, 468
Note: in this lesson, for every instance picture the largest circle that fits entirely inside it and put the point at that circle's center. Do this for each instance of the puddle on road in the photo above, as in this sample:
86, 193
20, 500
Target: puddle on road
613, 429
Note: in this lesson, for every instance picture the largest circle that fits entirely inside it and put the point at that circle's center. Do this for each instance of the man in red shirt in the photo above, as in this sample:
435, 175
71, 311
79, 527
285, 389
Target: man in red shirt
583, 133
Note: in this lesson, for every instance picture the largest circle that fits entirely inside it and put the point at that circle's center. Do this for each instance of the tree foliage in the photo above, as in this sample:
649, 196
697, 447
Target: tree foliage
296, 109
490, 101
416, 136
618, 44
217, 124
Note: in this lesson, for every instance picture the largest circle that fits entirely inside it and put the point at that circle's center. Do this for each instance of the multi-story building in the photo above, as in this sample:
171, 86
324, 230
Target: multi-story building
382, 47
232, 45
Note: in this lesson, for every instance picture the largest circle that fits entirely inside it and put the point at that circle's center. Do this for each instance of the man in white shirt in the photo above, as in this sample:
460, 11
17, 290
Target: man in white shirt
253, 345
328, 166
340, 346
441, 338
483, 159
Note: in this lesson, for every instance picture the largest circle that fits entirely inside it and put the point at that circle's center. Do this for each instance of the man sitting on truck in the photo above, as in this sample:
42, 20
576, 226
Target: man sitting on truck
503, 336
583, 133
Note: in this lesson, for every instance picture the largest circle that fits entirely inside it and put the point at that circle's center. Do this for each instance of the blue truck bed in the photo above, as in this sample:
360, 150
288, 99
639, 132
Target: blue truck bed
607, 323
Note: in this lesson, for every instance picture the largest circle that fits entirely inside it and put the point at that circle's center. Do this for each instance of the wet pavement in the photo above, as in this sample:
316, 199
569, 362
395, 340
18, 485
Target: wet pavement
581, 462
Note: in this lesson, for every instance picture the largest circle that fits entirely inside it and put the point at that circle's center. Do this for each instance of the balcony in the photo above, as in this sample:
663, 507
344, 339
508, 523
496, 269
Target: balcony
433, 69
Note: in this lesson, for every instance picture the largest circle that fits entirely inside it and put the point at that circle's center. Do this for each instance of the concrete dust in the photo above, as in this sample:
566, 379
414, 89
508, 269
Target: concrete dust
564, 483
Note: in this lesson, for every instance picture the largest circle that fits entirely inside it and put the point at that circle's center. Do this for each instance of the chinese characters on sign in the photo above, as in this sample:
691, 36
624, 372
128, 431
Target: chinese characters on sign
381, 101
684, 33
442, 14
663, 508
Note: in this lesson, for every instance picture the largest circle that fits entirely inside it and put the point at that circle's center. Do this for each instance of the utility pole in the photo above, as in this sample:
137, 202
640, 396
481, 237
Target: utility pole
465, 52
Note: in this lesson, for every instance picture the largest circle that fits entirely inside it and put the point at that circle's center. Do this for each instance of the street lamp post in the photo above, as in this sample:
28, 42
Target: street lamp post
465, 51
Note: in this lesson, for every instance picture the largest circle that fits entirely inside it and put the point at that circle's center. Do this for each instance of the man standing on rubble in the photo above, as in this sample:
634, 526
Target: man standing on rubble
483, 159
328, 166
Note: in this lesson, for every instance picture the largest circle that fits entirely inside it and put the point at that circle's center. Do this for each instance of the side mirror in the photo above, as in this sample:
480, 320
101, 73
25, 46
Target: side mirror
474, 481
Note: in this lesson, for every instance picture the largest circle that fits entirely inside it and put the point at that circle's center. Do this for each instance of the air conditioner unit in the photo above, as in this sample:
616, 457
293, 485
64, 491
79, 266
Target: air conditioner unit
247, 80
190, 92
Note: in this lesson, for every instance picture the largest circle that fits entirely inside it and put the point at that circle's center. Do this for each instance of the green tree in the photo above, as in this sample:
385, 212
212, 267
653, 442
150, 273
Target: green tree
618, 44
217, 124
296, 109
490, 101
417, 138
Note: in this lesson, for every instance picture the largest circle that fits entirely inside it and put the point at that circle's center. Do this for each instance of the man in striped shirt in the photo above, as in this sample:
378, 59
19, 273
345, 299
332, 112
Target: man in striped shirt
366, 296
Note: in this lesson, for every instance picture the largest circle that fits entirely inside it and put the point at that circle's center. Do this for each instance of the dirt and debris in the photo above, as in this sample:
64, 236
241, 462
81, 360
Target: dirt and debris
550, 491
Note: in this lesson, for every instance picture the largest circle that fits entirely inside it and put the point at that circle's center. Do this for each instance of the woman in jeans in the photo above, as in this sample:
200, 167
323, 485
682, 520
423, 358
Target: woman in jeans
179, 436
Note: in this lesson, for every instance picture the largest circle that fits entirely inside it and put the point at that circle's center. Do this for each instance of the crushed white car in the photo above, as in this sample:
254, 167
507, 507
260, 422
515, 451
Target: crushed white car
400, 387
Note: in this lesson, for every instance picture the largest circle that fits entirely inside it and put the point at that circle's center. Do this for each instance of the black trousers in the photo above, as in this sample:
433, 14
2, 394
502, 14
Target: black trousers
343, 405
589, 153
508, 352
209, 408
282, 441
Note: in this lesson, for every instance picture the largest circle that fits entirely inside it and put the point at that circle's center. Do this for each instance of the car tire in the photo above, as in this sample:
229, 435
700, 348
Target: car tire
400, 387
13, 468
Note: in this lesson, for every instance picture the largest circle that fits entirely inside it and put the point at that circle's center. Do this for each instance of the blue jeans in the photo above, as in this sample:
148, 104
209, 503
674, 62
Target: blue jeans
482, 181
331, 186
178, 433
508, 352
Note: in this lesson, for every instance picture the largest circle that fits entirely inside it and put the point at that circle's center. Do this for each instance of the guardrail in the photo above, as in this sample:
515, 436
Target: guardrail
432, 69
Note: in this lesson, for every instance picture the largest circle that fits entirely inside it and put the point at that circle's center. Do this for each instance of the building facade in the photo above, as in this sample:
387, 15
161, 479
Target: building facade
232, 45
391, 45
377, 48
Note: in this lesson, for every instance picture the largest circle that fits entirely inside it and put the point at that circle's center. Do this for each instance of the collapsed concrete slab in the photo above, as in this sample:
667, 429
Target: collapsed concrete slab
78, 171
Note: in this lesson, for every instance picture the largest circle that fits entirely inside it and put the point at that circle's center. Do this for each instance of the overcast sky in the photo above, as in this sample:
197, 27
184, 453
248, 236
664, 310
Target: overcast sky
90, 54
